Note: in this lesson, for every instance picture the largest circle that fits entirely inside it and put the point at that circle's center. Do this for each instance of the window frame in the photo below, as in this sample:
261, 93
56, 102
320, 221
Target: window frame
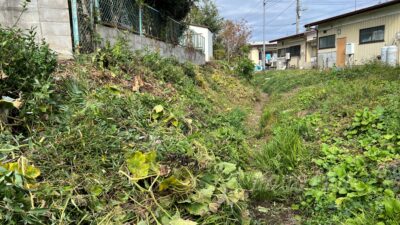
284, 52
373, 41
328, 36
292, 49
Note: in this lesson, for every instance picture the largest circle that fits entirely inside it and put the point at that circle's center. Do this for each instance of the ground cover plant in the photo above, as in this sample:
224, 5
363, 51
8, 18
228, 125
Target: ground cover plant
122, 138
345, 124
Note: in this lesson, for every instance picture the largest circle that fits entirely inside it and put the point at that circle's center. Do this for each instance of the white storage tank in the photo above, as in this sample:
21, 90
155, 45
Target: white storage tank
384, 51
393, 55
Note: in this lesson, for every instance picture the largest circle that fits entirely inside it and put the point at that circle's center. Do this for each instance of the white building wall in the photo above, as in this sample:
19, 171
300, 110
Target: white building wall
208, 36
349, 28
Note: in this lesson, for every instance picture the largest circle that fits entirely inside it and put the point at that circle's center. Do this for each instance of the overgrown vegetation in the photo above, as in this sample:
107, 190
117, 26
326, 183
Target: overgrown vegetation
132, 138
122, 137
337, 133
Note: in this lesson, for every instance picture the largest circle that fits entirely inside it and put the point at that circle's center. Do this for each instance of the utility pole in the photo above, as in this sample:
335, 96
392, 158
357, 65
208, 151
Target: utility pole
298, 11
264, 48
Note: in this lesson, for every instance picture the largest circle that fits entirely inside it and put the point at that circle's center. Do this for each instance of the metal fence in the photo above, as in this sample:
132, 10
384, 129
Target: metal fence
129, 15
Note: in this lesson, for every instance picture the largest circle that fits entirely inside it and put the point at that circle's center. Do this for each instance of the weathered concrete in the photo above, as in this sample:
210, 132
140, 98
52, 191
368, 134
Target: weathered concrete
51, 21
49, 18
138, 42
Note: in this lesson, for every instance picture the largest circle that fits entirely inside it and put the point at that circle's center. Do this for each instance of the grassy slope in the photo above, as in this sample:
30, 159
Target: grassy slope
133, 138
94, 144
334, 138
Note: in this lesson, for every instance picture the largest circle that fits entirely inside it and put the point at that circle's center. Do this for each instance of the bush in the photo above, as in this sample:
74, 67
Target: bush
23, 62
245, 68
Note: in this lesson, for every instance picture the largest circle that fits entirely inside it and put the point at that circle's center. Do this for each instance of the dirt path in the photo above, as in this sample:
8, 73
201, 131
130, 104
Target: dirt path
276, 213
253, 120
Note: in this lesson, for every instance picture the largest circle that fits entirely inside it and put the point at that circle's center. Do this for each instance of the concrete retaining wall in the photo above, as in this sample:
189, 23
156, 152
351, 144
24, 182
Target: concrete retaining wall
137, 42
50, 18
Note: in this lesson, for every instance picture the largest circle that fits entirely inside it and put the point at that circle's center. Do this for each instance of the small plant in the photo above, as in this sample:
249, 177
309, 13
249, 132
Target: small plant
17, 184
244, 68
284, 154
23, 62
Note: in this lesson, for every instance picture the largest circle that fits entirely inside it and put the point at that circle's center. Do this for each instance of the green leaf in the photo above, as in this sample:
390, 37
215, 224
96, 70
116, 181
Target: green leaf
96, 190
388, 136
140, 164
236, 196
204, 195
232, 183
198, 209
226, 168
339, 201
180, 221
315, 181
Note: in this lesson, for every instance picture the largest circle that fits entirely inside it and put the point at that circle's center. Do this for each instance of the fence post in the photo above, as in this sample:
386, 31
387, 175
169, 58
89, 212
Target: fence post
140, 20
75, 25
97, 10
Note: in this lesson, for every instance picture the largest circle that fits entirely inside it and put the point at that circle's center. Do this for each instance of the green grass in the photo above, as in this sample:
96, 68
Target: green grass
95, 139
312, 123
132, 138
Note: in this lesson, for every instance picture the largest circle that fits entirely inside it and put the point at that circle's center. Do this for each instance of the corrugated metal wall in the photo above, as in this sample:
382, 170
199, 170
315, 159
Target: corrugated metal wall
350, 28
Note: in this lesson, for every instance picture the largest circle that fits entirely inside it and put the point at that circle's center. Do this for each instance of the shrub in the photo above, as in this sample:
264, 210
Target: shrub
23, 62
245, 68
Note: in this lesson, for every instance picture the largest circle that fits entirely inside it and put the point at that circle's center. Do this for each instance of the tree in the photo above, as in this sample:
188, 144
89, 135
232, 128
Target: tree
176, 9
206, 13
234, 37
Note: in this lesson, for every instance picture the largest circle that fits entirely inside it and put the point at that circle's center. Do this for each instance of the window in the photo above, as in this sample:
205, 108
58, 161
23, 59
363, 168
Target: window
327, 42
372, 35
294, 50
282, 52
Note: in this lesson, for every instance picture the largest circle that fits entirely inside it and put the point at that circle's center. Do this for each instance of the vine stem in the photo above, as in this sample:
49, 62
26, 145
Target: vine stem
150, 191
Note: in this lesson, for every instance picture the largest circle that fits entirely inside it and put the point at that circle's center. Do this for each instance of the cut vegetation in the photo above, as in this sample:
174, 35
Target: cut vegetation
132, 138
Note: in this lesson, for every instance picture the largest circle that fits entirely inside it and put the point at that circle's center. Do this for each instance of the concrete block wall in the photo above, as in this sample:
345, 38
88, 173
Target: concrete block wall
138, 42
50, 18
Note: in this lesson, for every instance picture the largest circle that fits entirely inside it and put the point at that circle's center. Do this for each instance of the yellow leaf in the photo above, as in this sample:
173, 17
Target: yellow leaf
32, 172
158, 109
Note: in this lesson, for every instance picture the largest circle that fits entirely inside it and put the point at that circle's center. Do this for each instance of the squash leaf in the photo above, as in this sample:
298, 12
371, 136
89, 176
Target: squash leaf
141, 164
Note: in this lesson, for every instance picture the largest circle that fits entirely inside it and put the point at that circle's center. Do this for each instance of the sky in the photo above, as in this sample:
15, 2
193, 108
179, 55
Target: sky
281, 14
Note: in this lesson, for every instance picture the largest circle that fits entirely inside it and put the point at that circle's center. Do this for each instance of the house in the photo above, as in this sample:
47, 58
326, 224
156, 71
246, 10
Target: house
358, 37
297, 51
208, 38
256, 51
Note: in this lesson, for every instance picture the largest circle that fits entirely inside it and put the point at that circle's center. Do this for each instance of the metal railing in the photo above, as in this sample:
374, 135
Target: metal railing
140, 19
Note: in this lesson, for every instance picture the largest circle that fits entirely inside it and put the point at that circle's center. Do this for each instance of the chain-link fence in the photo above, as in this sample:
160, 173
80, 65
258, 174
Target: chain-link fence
129, 15
85, 18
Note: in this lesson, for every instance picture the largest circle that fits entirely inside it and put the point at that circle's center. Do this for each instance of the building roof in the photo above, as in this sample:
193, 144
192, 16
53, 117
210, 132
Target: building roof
360, 11
258, 43
289, 37
202, 26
